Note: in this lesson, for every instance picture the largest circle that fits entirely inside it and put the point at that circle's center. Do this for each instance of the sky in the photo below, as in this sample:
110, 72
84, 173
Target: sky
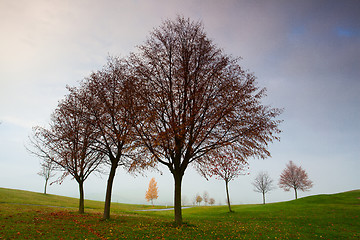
306, 53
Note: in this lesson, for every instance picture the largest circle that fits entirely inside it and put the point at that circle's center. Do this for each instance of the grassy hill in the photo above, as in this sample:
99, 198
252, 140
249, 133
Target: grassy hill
33, 198
334, 216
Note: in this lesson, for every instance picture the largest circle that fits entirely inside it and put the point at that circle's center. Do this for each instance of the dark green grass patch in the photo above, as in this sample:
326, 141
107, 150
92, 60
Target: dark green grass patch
317, 217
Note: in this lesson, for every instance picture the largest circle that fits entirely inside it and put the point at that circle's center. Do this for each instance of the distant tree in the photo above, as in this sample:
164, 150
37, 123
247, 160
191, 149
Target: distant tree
70, 143
152, 192
198, 199
206, 197
225, 165
194, 98
294, 177
194, 201
263, 184
47, 171
184, 200
211, 201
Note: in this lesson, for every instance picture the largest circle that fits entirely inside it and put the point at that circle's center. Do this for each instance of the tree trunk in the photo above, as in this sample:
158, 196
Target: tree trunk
227, 195
295, 193
263, 198
108, 191
81, 200
177, 198
46, 181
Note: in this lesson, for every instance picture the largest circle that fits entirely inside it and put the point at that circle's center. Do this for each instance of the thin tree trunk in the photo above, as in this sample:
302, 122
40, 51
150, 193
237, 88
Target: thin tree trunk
295, 193
227, 195
109, 191
46, 181
263, 198
81, 200
177, 198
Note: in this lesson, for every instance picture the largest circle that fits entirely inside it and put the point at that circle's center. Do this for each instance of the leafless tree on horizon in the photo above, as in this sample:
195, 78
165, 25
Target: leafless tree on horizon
263, 184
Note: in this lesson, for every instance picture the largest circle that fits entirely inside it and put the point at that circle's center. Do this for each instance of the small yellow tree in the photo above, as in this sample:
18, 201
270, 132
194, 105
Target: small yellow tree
198, 199
152, 192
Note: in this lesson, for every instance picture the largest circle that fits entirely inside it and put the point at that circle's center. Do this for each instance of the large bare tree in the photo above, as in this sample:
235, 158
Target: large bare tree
107, 96
263, 184
70, 143
194, 98
294, 177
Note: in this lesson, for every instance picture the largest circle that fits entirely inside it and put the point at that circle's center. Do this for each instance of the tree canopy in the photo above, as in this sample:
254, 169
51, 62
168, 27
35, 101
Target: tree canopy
71, 142
107, 96
224, 165
194, 98
294, 177
176, 101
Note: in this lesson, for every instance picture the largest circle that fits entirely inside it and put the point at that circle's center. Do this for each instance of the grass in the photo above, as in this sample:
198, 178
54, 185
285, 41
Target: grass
333, 216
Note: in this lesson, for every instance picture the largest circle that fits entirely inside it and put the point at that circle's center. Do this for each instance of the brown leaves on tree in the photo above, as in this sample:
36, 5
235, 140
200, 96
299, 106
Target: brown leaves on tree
194, 98
174, 102
294, 177
70, 142
107, 94
225, 165
198, 199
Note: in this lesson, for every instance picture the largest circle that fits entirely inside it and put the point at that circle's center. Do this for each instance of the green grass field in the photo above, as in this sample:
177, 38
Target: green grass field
333, 216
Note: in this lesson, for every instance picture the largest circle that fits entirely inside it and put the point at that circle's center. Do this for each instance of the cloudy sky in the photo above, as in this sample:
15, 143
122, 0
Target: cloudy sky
306, 53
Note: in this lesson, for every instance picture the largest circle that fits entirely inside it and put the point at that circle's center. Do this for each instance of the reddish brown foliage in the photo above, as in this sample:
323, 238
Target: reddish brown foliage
194, 98
225, 165
106, 95
179, 98
294, 177
70, 142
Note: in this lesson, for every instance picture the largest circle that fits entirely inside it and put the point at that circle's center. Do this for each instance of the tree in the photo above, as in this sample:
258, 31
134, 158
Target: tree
198, 199
225, 165
184, 200
47, 172
152, 192
70, 143
206, 197
263, 184
194, 201
108, 99
211, 201
294, 177
194, 99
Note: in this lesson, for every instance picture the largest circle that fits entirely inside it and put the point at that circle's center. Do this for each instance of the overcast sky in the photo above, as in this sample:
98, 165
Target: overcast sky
306, 53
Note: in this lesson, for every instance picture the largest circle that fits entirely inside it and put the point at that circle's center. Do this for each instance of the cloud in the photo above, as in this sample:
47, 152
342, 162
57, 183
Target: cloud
18, 122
